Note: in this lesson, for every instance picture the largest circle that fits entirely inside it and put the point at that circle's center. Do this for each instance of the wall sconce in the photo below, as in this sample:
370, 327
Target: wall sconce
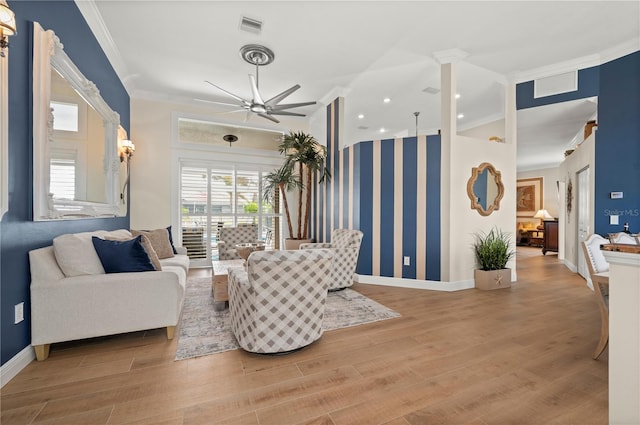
7, 25
126, 148
542, 215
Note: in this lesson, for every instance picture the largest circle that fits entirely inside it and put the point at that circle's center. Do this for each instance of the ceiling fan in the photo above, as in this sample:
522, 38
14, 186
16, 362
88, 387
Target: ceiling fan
258, 55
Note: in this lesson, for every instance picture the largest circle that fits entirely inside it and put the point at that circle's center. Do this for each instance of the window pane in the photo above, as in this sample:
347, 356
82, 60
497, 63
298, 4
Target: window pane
247, 192
65, 116
194, 211
222, 192
62, 179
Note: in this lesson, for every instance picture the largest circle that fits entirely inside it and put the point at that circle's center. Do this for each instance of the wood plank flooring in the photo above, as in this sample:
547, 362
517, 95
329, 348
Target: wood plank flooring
513, 356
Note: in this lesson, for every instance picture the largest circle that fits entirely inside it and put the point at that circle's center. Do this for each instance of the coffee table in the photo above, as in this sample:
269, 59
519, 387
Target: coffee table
219, 281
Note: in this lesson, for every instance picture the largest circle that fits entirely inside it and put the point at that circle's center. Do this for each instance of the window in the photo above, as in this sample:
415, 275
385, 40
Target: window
62, 177
65, 116
212, 197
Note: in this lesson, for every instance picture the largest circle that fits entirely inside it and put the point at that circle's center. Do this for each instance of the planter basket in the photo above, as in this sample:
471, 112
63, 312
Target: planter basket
493, 279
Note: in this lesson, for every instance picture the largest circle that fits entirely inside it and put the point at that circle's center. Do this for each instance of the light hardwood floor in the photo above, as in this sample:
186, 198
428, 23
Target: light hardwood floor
513, 356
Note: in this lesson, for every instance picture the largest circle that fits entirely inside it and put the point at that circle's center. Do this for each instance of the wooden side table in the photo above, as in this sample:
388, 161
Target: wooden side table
219, 281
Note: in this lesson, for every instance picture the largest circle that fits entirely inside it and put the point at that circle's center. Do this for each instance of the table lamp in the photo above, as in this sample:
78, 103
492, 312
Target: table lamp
542, 215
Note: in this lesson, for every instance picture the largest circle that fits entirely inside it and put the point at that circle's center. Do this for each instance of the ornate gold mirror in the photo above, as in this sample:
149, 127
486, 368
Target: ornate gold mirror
485, 189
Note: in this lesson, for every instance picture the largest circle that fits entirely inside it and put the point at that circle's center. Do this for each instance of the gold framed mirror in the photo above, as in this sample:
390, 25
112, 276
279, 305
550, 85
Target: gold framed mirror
485, 189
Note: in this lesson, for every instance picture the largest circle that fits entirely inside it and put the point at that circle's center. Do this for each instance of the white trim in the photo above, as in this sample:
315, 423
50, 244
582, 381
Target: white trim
583, 62
91, 14
415, 283
570, 266
624, 258
10, 369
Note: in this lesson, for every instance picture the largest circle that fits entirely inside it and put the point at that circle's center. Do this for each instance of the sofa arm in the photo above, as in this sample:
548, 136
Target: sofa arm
181, 250
315, 245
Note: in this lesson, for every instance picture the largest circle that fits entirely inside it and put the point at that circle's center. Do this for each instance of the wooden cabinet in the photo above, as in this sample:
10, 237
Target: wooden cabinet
550, 242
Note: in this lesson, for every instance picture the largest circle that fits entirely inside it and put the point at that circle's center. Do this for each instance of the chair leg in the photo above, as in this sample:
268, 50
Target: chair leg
604, 336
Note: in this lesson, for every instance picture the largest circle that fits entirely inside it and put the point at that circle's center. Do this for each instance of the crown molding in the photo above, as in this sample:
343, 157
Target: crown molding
92, 15
578, 63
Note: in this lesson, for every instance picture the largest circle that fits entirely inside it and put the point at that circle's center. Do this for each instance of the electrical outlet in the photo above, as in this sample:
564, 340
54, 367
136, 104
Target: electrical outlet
19, 313
407, 260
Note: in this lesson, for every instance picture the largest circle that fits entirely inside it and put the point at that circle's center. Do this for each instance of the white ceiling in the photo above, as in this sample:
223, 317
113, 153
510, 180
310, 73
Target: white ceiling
364, 51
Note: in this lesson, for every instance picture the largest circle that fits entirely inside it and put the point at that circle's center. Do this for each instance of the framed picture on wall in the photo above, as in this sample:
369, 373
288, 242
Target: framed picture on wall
529, 196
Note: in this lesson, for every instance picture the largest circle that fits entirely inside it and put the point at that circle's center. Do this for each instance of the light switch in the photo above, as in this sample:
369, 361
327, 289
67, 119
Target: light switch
613, 219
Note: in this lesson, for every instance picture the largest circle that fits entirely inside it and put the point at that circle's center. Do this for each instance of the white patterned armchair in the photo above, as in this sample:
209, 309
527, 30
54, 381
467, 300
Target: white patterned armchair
345, 244
277, 304
231, 236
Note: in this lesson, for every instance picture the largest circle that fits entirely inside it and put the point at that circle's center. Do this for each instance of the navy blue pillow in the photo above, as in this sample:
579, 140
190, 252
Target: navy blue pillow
171, 240
122, 256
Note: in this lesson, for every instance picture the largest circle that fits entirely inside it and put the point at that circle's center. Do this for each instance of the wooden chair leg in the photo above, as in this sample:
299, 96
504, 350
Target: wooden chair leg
604, 336
170, 331
42, 351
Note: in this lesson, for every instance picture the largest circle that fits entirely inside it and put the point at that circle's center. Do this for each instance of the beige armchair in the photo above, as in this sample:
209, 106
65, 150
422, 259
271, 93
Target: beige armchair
231, 236
345, 244
277, 304
599, 276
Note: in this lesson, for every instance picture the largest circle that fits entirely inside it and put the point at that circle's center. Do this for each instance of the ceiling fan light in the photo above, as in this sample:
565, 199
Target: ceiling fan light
258, 109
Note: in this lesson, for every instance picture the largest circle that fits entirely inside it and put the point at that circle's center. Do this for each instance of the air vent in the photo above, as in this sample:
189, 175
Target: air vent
556, 84
431, 90
251, 25
363, 127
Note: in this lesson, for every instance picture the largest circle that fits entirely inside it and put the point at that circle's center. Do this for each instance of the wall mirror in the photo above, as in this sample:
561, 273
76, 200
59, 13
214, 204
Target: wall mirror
485, 189
76, 168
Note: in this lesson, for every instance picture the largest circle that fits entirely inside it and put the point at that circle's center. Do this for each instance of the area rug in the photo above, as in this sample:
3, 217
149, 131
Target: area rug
204, 331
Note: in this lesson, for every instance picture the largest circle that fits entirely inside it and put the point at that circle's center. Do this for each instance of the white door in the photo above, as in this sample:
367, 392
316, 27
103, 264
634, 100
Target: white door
583, 217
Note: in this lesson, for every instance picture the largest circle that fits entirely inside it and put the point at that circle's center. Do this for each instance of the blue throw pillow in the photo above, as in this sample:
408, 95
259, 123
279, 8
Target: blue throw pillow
171, 240
122, 256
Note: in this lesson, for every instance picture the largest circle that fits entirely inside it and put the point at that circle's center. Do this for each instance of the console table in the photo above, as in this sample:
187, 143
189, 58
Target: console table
550, 243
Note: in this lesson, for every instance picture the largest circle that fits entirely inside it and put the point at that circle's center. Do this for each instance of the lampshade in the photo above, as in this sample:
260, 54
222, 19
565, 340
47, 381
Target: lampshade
7, 20
543, 215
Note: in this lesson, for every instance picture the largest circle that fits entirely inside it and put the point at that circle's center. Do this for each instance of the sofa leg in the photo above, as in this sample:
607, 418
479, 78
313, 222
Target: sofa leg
170, 331
42, 351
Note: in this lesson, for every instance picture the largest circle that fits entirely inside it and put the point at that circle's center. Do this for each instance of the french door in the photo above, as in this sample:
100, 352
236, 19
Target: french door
213, 197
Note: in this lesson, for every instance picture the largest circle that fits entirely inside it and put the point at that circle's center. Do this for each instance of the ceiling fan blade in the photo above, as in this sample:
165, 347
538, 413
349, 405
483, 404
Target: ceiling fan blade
220, 103
291, 105
293, 114
269, 117
279, 97
254, 90
229, 93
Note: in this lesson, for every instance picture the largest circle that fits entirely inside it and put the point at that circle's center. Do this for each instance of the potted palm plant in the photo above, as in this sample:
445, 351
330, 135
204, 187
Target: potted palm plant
281, 180
492, 252
304, 156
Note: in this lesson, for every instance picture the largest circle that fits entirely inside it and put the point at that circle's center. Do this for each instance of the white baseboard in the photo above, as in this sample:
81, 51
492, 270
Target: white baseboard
415, 283
18, 362
570, 266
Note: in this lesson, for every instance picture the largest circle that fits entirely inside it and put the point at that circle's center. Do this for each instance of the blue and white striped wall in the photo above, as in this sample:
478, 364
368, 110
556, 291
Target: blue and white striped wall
389, 189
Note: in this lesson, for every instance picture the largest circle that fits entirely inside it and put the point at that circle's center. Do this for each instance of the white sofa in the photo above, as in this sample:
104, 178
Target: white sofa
86, 302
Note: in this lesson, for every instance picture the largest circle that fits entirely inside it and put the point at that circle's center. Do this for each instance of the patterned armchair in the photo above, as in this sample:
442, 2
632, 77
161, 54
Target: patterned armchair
231, 236
277, 304
346, 246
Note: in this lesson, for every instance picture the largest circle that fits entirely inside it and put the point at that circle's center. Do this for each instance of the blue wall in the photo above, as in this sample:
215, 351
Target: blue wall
362, 208
617, 143
18, 233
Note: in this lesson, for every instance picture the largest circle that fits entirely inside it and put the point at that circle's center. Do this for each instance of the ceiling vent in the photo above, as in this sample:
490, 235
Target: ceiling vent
431, 90
362, 127
556, 84
251, 25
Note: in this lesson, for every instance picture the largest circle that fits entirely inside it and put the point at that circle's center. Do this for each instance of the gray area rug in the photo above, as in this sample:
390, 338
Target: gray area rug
204, 331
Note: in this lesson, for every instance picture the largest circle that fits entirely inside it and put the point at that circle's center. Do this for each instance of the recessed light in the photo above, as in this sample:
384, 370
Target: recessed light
386, 100
457, 95
382, 130
360, 116
460, 116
